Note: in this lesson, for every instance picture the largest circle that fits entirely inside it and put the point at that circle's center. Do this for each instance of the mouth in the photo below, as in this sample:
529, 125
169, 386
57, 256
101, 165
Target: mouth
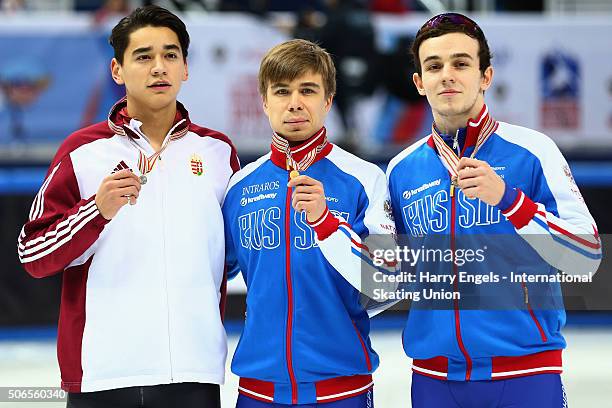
449, 92
161, 85
295, 121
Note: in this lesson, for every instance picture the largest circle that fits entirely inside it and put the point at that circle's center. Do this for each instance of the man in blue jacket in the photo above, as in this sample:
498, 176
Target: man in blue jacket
296, 220
474, 179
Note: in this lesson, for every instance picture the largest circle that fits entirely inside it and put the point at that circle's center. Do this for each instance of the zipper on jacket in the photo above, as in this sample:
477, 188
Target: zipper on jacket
163, 237
363, 346
533, 316
468, 359
288, 337
456, 142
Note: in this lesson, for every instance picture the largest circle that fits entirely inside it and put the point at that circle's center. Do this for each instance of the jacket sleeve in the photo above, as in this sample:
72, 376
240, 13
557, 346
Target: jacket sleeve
231, 260
356, 251
61, 225
555, 221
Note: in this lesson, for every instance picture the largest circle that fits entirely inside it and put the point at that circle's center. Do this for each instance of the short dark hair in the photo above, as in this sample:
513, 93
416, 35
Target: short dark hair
148, 16
447, 23
291, 59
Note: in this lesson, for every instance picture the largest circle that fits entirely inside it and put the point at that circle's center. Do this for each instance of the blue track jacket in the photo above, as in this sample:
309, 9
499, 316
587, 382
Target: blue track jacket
545, 229
306, 334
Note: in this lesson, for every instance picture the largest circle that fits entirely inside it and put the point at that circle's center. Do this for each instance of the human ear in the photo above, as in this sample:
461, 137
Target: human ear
418, 82
116, 72
487, 78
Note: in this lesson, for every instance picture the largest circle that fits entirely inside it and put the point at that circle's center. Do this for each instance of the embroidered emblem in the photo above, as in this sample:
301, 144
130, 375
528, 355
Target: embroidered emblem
196, 165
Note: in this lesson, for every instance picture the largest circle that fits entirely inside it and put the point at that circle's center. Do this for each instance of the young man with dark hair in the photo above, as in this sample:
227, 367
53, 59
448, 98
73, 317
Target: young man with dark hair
143, 283
474, 179
296, 220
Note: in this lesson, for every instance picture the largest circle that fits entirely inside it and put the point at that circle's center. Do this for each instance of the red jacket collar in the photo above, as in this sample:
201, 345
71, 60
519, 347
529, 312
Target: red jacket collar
279, 157
473, 128
119, 120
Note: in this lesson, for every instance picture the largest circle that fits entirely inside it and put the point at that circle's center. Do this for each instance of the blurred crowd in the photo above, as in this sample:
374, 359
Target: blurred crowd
343, 27
261, 7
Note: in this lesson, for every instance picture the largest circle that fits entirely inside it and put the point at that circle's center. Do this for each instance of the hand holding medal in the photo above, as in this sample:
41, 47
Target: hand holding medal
117, 190
478, 180
308, 195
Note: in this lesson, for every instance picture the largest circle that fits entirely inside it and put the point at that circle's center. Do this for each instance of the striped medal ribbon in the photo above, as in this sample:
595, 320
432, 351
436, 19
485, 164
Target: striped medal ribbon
147, 163
448, 156
293, 166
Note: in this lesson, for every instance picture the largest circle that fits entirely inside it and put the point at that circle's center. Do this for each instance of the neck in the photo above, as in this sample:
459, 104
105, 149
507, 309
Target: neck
294, 143
155, 123
301, 155
449, 124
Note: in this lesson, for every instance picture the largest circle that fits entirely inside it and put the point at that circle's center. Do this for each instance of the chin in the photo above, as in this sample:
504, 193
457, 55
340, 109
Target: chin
297, 132
450, 109
161, 101
297, 135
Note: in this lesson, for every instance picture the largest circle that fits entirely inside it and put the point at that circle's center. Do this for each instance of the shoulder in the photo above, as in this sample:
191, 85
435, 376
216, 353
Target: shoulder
81, 138
348, 161
247, 170
535, 142
405, 153
206, 132
368, 174
221, 138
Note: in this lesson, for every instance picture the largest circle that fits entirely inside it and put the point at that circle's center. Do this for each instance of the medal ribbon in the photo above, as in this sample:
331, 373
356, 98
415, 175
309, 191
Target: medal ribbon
146, 164
282, 145
448, 156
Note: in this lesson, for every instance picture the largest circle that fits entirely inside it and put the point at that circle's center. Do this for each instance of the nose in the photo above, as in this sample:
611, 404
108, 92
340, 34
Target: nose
295, 102
159, 67
448, 74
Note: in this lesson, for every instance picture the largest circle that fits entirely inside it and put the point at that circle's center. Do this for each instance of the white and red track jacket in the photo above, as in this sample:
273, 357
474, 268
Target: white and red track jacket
141, 293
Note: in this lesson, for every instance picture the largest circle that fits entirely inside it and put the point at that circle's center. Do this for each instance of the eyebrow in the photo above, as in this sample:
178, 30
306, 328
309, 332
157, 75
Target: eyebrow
303, 84
143, 50
457, 55
310, 84
462, 55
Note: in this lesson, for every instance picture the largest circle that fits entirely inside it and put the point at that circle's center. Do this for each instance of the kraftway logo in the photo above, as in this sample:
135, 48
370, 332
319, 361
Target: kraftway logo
409, 193
248, 200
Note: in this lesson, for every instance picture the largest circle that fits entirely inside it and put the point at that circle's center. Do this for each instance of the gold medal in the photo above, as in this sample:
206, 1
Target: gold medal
454, 181
294, 174
143, 179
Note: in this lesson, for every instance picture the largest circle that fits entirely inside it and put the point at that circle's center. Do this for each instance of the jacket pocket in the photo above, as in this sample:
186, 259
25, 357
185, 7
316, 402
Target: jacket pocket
363, 346
532, 314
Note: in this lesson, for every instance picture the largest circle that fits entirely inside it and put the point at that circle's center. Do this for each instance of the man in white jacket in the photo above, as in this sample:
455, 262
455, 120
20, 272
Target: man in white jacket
130, 212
